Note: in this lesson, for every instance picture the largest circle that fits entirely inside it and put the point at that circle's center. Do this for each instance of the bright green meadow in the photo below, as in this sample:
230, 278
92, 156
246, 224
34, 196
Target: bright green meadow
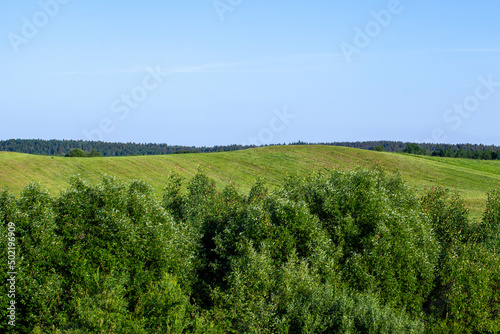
471, 178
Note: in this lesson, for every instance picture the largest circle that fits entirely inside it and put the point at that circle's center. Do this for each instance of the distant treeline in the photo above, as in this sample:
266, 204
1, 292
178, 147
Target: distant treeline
450, 152
466, 151
63, 147
399, 146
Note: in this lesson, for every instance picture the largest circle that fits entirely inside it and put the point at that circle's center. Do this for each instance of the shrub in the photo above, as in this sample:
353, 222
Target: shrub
490, 226
470, 289
39, 257
448, 215
164, 308
79, 153
333, 252
387, 245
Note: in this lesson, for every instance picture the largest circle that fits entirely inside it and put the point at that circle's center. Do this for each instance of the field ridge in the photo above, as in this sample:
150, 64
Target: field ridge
472, 178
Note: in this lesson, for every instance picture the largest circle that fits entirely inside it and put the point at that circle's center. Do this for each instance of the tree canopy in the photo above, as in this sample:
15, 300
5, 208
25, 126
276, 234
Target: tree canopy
331, 252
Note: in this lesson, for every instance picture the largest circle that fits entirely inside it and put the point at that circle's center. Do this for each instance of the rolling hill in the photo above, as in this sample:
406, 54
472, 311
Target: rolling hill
472, 178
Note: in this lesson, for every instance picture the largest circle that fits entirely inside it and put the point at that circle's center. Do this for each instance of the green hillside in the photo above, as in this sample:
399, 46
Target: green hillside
472, 178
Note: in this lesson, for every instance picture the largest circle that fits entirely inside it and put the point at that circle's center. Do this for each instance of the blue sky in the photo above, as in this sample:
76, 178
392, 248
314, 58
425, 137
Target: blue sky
238, 71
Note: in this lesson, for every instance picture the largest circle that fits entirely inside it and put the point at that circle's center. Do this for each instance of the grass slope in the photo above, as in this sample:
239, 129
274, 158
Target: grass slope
472, 178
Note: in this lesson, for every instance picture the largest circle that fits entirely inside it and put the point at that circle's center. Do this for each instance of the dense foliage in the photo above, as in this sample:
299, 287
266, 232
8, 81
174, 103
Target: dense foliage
455, 151
332, 252
77, 153
64, 147
466, 151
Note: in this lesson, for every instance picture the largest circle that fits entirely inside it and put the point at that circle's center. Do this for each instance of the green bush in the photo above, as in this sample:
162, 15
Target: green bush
173, 201
39, 257
329, 252
470, 290
387, 244
490, 227
164, 308
293, 298
465, 296
79, 153
448, 215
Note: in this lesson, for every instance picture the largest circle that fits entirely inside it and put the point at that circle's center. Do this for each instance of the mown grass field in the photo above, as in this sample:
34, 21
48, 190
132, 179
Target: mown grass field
472, 178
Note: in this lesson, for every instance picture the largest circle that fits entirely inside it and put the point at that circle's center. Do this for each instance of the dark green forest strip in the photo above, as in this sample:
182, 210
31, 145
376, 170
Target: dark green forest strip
56, 147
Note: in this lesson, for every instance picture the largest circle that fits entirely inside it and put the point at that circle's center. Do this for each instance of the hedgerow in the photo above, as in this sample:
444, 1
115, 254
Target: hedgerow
330, 252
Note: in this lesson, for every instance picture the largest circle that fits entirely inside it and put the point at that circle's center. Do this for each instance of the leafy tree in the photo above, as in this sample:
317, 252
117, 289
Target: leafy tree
449, 153
487, 155
464, 298
76, 153
94, 153
448, 216
490, 226
414, 148
328, 252
173, 201
461, 153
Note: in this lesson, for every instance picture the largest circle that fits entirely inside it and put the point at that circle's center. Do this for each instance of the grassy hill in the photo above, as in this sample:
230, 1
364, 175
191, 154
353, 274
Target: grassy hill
472, 178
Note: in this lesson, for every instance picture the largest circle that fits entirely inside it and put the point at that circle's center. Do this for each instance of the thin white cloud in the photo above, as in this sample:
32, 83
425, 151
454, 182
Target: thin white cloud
111, 71
474, 50
317, 56
199, 69
289, 63
140, 69
275, 70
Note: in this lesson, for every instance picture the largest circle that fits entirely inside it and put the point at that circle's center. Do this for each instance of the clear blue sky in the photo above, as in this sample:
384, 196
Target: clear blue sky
223, 70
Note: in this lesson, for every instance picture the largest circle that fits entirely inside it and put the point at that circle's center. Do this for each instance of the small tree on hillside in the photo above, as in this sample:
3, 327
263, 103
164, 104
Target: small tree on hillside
414, 148
76, 153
